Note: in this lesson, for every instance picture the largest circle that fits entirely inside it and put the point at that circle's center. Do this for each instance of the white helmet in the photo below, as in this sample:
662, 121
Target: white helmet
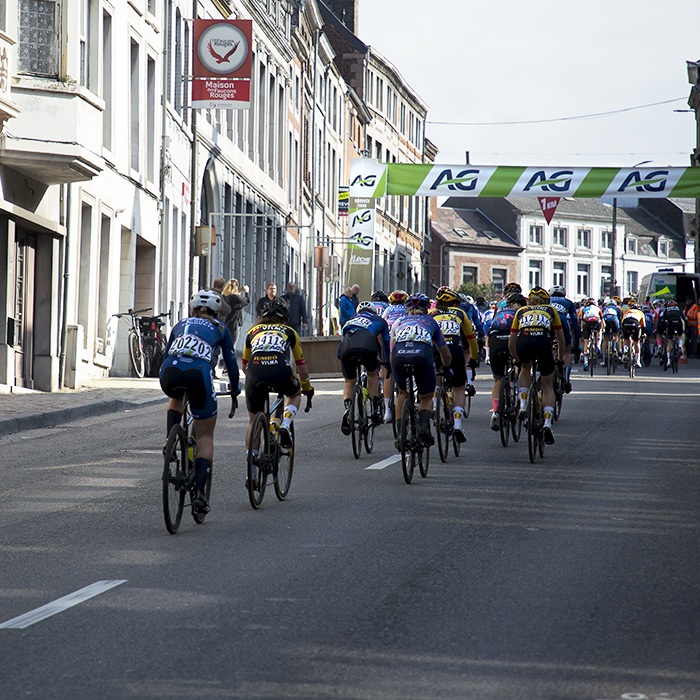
367, 306
208, 299
557, 291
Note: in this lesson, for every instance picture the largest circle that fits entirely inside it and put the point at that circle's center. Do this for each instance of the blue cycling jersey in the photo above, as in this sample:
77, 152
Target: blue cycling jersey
366, 320
567, 314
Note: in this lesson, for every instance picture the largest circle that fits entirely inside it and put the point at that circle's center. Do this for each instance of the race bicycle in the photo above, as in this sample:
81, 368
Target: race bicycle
178, 472
443, 416
266, 455
509, 404
361, 421
535, 415
413, 450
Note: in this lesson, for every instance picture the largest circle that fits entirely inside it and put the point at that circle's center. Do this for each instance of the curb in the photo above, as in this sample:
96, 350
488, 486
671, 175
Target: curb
17, 424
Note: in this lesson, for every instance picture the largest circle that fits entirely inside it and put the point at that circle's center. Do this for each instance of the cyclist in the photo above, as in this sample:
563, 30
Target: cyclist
673, 322
413, 337
266, 361
394, 311
380, 300
649, 329
499, 333
467, 304
612, 317
187, 367
632, 327
572, 332
591, 320
457, 329
531, 335
365, 336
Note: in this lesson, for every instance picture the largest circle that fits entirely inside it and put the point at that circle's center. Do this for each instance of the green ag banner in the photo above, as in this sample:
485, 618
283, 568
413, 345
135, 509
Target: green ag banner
369, 178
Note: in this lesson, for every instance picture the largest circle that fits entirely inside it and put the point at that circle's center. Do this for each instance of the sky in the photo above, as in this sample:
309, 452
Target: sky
491, 61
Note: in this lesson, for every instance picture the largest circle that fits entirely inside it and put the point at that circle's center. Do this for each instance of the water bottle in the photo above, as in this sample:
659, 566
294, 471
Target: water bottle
191, 448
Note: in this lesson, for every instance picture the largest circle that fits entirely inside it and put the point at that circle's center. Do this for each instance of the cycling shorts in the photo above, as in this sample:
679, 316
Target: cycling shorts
265, 373
530, 346
459, 370
194, 376
612, 326
420, 355
498, 354
360, 348
587, 327
674, 327
631, 328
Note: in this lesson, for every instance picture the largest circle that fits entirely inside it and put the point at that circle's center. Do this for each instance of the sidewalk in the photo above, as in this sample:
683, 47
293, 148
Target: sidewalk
26, 410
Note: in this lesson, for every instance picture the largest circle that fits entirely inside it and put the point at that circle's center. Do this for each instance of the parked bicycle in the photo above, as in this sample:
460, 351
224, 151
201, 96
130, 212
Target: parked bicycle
509, 404
413, 450
145, 342
178, 472
266, 455
443, 416
361, 422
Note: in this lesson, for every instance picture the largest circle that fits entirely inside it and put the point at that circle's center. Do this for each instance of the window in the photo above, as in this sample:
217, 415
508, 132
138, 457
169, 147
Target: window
135, 105
38, 51
606, 240
498, 277
605, 280
631, 245
632, 282
583, 280
584, 238
535, 276
559, 236
663, 248
559, 274
469, 274
536, 235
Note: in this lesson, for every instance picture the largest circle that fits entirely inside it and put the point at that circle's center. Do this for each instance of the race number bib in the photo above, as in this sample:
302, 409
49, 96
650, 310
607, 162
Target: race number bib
415, 333
448, 326
191, 346
269, 342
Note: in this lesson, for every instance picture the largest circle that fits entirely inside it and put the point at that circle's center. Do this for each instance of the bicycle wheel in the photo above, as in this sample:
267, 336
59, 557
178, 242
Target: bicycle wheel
504, 411
285, 467
175, 478
136, 354
674, 357
441, 428
392, 405
467, 406
608, 360
407, 440
199, 517
423, 459
592, 355
532, 423
630, 361
558, 393
356, 420
369, 422
259, 459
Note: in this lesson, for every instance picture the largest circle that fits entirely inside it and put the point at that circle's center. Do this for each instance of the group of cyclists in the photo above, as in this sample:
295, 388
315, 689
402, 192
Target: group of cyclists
385, 336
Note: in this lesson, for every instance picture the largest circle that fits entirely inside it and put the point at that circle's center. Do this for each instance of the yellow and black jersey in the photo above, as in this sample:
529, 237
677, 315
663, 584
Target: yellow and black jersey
456, 327
536, 320
274, 340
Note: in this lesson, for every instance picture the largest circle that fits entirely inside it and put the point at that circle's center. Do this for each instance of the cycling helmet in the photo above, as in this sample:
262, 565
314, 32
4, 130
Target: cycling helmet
417, 301
470, 299
557, 291
671, 304
501, 304
463, 298
206, 299
398, 296
379, 295
512, 288
367, 306
447, 296
539, 293
616, 299
275, 308
516, 298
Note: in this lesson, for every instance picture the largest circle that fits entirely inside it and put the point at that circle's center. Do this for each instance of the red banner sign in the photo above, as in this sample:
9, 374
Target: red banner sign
222, 48
549, 206
221, 94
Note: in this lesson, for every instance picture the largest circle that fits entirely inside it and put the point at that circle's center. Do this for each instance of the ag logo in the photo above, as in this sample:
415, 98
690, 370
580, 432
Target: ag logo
556, 182
363, 217
222, 48
653, 182
465, 180
369, 181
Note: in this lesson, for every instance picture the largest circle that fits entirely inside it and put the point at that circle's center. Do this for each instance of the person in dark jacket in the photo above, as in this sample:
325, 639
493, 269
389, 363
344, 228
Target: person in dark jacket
297, 308
237, 299
270, 296
347, 308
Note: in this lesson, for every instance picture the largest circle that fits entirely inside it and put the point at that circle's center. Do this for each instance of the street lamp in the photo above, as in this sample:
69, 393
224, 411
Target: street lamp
613, 242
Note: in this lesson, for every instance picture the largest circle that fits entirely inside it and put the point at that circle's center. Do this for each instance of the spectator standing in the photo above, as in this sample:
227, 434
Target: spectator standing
217, 289
297, 308
347, 308
270, 296
237, 299
691, 313
355, 298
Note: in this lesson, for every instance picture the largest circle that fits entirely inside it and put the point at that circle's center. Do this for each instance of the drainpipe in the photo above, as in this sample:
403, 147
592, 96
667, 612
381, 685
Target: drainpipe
64, 311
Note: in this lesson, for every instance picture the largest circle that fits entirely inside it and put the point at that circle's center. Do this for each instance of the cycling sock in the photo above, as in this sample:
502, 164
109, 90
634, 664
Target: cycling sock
173, 419
386, 403
288, 416
470, 374
548, 413
495, 405
347, 402
202, 468
457, 412
424, 417
567, 374
524, 393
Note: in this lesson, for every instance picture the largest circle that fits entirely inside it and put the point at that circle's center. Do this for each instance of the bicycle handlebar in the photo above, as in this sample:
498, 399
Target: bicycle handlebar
132, 312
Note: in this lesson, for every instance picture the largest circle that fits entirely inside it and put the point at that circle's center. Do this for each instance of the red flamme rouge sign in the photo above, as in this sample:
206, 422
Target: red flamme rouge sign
549, 206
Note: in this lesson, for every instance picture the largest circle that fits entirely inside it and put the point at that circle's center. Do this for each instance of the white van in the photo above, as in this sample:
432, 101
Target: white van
669, 284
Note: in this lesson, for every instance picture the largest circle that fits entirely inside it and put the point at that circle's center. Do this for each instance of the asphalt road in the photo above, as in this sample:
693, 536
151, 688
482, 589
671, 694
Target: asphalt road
575, 578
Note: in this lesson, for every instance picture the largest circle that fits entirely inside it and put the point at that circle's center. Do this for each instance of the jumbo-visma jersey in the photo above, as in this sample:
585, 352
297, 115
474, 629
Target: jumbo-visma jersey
536, 320
456, 327
275, 340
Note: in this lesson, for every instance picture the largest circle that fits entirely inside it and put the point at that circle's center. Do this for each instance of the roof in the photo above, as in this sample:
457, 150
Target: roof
470, 228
